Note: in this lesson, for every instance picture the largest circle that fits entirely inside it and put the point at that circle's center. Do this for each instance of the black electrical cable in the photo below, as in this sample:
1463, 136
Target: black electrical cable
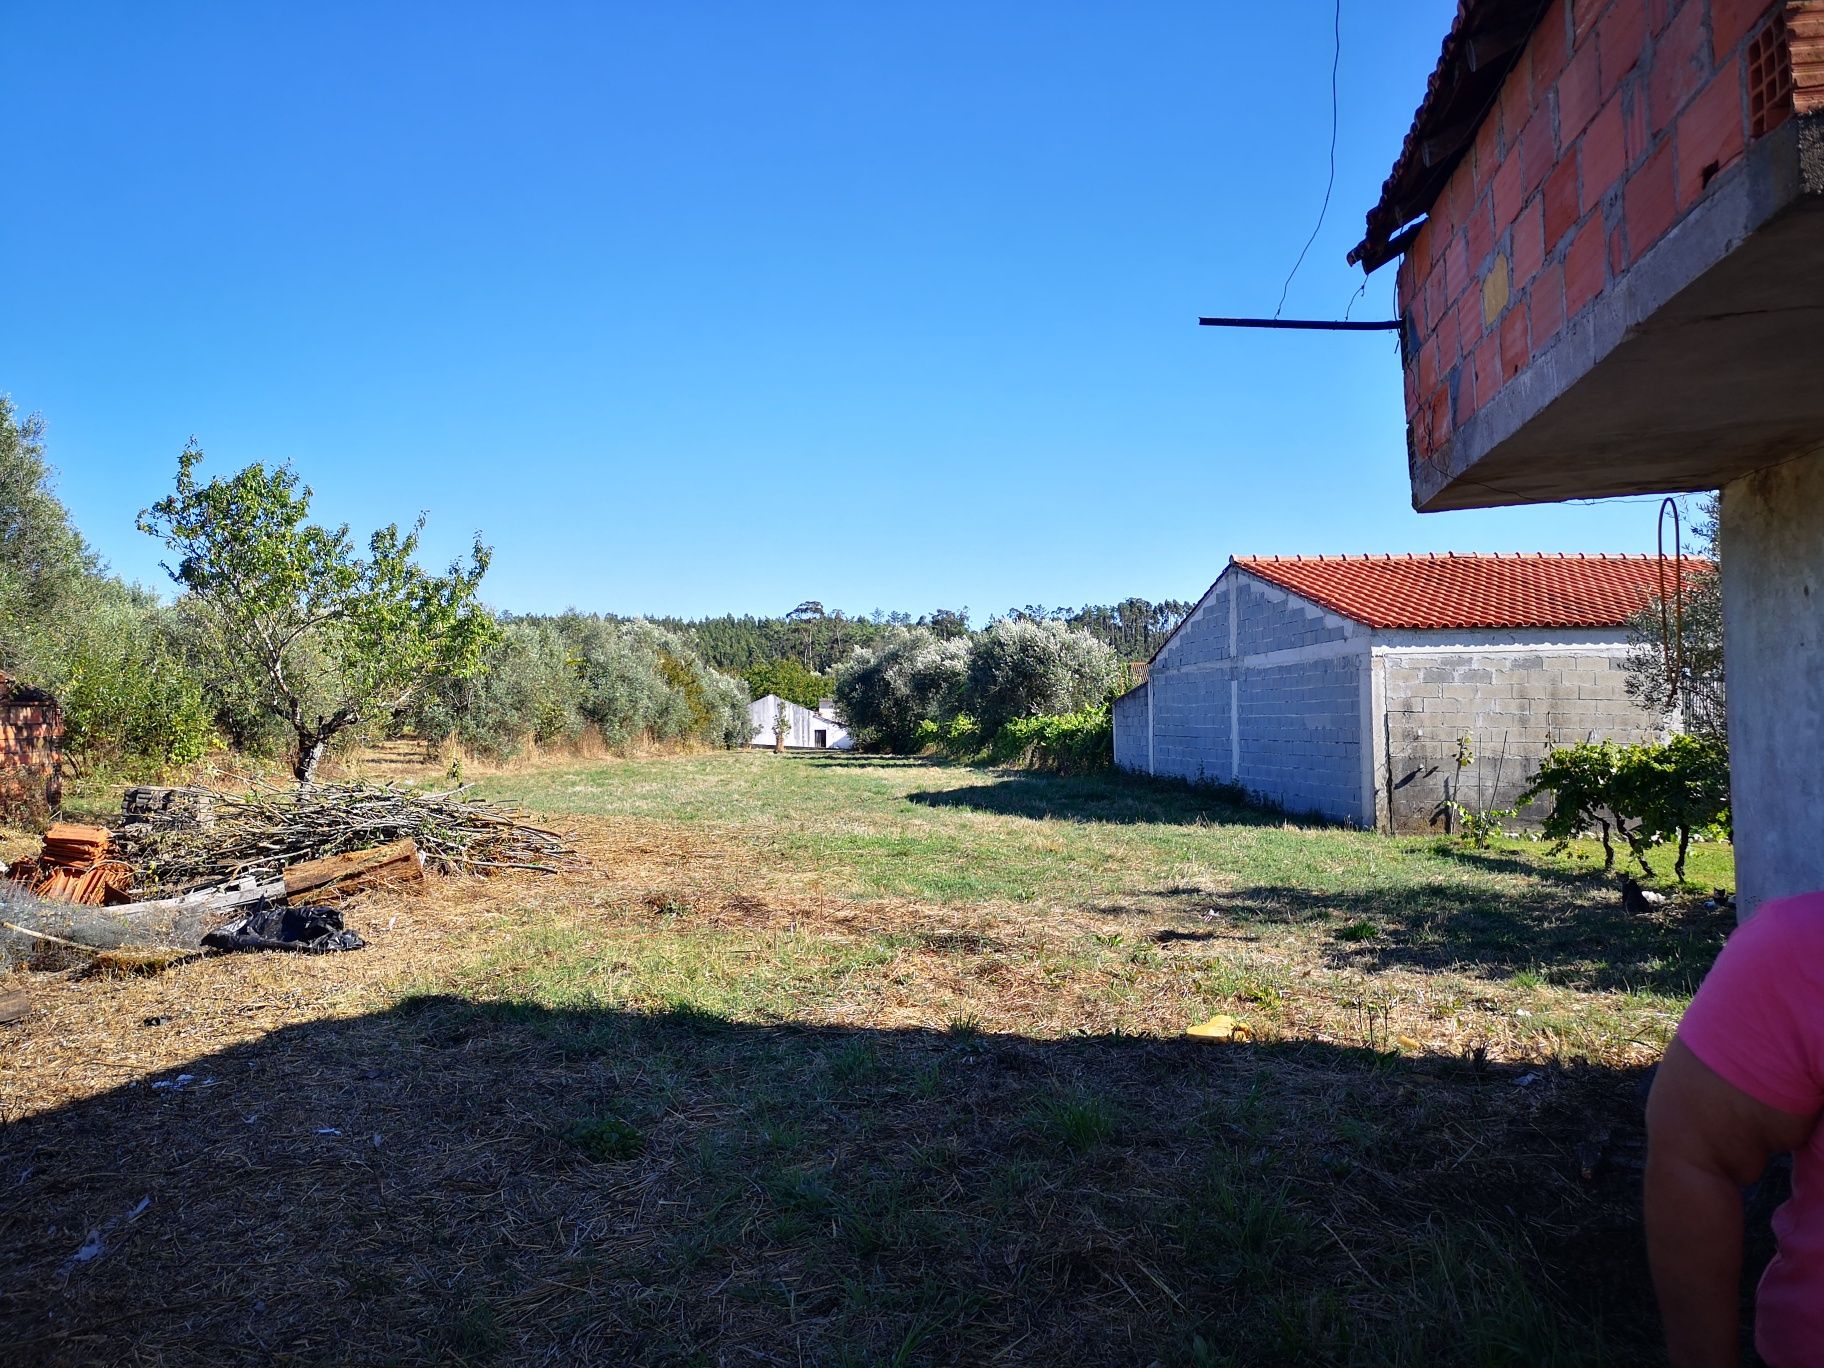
1336, 63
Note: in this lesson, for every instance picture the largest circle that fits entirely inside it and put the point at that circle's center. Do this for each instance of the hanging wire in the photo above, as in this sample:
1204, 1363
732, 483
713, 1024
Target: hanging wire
1336, 63
1672, 607
1360, 290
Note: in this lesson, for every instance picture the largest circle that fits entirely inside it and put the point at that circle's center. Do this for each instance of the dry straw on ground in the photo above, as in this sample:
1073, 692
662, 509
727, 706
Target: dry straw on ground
683, 1107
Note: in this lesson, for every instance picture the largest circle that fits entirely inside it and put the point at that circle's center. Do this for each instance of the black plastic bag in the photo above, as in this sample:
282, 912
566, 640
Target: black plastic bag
309, 930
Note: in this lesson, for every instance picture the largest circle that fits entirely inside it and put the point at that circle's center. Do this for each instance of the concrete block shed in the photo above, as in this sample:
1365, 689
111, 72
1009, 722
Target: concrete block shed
1373, 689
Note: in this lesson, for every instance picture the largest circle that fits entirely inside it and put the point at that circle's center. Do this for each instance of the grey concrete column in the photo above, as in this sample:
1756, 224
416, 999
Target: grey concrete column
1773, 644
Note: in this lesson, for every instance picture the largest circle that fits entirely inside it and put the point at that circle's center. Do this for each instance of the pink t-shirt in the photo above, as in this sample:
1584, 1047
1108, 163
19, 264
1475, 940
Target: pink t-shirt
1758, 1021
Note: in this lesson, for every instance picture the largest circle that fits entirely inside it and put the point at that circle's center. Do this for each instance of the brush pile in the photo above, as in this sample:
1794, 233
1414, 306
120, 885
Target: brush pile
258, 834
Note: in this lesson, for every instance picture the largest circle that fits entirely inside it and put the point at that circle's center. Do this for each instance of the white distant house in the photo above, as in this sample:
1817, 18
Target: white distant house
811, 729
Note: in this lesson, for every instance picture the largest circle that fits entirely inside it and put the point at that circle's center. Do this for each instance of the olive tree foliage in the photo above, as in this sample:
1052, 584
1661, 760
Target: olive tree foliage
526, 692
886, 690
1693, 656
113, 656
1021, 668
46, 569
328, 639
544, 681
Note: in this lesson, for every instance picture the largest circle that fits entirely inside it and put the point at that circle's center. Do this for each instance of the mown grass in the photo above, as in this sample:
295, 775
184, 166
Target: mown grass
862, 1062
869, 827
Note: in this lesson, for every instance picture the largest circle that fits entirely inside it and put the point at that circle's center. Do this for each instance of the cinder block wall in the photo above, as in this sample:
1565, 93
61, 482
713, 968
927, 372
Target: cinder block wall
1278, 713
1130, 730
1301, 736
1618, 118
1513, 706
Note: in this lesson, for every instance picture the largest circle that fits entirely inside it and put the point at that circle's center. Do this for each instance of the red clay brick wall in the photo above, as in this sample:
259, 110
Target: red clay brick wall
31, 755
1611, 127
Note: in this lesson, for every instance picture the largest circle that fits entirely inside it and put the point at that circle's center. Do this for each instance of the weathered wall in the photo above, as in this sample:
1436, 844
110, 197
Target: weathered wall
31, 754
1131, 731
1619, 118
1262, 689
1773, 640
805, 726
1512, 698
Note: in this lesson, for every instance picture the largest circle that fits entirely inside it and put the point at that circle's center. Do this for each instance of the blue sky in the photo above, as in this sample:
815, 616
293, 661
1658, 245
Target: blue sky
702, 308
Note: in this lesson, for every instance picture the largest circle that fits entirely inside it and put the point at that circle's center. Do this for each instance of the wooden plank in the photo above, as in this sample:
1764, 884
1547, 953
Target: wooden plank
355, 871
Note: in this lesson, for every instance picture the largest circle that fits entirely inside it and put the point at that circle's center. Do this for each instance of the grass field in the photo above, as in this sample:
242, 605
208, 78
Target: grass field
857, 1061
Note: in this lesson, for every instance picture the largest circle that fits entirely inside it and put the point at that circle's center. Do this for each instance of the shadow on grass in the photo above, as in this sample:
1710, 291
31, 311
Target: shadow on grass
1577, 934
504, 1182
1111, 798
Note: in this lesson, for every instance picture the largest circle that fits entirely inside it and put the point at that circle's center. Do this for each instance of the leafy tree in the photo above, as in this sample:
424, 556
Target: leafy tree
947, 624
910, 677
788, 679
1693, 659
526, 690
1025, 669
333, 639
128, 694
46, 570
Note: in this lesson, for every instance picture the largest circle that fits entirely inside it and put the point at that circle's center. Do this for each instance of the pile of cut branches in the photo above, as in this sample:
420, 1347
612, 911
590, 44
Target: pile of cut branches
256, 834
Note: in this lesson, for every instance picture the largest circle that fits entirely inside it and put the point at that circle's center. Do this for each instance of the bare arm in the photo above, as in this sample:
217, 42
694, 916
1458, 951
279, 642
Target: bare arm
1706, 1141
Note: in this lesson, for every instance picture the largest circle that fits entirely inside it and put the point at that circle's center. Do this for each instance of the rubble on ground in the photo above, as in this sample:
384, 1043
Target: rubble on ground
190, 868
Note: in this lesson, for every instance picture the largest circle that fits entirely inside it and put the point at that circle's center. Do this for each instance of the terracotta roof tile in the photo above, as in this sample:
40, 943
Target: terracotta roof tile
1459, 95
1453, 590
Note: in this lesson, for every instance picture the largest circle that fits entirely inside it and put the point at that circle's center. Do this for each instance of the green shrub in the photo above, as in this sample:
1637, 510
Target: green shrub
1020, 668
960, 738
1676, 790
888, 691
1646, 794
1081, 742
788, 680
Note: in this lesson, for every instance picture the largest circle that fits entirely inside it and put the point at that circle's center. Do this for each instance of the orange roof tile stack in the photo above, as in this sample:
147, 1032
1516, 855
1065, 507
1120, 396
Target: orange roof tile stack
73, 867
1474, 591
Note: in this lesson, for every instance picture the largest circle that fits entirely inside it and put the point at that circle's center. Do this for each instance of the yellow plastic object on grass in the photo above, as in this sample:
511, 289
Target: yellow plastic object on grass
1220, 1028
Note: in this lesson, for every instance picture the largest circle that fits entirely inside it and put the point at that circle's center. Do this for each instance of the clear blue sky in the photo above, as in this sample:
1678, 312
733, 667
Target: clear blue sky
703, 308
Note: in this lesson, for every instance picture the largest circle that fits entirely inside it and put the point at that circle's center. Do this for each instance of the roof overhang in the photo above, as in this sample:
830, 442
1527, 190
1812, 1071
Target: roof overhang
1485, 41
1700, 363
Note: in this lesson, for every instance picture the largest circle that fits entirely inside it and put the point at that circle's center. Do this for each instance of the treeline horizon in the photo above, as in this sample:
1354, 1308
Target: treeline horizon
821, 640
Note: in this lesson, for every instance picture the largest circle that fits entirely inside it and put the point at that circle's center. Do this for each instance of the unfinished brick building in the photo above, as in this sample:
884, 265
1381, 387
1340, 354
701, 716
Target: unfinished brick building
31, 749
1609, 218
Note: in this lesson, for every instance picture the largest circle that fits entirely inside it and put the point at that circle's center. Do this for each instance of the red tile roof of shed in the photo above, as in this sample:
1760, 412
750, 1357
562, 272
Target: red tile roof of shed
1470, 590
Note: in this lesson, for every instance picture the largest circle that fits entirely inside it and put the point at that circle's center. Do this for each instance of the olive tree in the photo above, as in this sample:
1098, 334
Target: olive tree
1020, 668
327, 637
908, 677
47, 572
1675, 650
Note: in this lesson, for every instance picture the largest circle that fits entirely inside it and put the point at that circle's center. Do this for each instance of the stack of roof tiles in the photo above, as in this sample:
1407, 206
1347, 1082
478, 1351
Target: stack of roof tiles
73, 867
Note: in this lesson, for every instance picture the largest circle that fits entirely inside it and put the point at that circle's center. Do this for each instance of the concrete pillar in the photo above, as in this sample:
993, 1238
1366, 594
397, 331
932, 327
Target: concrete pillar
1773, 645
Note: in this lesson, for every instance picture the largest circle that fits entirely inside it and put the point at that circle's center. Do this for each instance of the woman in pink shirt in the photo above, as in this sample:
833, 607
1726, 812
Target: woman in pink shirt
1742, 1082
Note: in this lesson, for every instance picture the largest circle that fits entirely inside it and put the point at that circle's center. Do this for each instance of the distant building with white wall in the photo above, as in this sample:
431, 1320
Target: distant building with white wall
809, 729
1375, 689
